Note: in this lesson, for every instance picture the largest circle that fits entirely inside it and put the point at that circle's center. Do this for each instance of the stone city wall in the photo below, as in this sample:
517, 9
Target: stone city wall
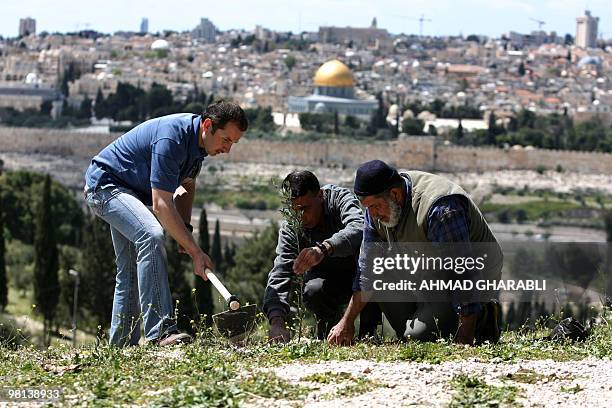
413, 152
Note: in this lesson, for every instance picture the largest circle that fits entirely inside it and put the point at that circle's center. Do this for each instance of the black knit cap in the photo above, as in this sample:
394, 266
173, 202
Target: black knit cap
374, 177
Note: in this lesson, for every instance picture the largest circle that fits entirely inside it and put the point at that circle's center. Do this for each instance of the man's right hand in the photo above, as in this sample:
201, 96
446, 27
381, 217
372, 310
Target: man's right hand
342, 333
278, 331
201, 262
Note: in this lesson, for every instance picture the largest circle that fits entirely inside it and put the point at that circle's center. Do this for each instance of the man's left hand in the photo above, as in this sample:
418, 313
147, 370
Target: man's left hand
308, 258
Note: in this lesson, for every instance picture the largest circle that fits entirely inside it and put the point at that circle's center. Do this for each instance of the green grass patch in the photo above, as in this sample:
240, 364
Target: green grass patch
247, 197
210, 372
530, 211
357, 387
328, 377
269, 385
350, 385
528, 376
473, 392
20, 303
571, 390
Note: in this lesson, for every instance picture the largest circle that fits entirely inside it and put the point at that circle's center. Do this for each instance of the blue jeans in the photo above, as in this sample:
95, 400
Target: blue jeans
142, 275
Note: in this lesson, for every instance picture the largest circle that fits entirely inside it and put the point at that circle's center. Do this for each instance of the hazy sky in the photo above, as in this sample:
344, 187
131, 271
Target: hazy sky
489, 17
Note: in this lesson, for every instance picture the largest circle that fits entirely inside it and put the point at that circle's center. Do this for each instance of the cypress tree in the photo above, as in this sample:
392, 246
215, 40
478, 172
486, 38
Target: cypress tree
608, 264
98, 271
492, 130
459, 131
229, 251
100, 105
3, 281
204, 296
252, 264
216, 255
336, 123
46, 262
179, 286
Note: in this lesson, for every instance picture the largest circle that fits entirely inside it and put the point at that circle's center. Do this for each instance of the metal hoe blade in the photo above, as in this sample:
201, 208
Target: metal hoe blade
236, 324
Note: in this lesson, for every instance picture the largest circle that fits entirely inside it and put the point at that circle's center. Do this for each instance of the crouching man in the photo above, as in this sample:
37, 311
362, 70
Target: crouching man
419, 207
329, 244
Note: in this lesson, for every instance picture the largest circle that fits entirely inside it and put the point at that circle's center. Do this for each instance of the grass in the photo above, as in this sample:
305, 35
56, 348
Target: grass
20, 303
350, 385
269, 385
527, 376
246, 200
534, 210
472, 392
358, 386
259, 195
572, 390
209, 372
328, 377
548, 208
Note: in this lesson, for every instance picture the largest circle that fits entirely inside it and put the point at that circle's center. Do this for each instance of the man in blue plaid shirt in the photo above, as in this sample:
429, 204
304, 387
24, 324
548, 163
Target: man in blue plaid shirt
421, 207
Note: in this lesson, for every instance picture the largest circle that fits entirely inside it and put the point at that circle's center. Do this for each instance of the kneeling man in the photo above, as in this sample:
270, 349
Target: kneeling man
419, 207
325, 253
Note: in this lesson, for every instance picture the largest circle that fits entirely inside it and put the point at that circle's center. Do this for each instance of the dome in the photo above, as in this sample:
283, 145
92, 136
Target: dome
319, 108
160, 45
334, 73
588, 60
31, 78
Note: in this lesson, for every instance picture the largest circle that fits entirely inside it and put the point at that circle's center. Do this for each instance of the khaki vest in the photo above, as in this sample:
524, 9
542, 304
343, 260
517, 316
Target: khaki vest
428, 188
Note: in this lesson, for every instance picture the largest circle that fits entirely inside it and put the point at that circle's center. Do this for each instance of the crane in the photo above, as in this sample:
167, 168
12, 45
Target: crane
421, 20
540, 22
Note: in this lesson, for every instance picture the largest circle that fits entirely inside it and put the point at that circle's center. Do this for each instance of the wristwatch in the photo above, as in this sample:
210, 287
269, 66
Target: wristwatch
189, 227
323, 248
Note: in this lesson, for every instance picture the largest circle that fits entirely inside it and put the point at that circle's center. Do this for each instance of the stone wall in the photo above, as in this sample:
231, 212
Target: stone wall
418, 152
413, 152
458, 159
57, 142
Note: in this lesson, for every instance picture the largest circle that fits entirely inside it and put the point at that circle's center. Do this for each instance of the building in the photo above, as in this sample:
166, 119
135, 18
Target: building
586, 30
206, 31
369, 37
26, 96
334, 91
27, 26
536, 38
263, 34
144, 26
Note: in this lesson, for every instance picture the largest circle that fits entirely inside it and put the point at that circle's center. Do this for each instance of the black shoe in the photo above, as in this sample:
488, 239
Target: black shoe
172, 339
488, 328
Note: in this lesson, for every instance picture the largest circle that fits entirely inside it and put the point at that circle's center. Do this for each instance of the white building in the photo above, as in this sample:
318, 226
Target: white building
27, 26
586, 30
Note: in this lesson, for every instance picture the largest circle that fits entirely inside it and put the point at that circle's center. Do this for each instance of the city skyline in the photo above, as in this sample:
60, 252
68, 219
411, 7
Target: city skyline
491, 18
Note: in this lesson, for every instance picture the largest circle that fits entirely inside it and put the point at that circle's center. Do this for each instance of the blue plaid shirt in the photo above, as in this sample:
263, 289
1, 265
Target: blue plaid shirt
448, 221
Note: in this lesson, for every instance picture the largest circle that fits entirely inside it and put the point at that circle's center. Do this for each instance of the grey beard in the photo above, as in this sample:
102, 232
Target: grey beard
394, 214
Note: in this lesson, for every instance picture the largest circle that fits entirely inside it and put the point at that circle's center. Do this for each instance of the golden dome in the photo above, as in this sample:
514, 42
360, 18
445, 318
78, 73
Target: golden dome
334, 73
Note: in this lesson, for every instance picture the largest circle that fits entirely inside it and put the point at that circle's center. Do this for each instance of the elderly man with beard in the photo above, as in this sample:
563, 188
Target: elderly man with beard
419, 207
